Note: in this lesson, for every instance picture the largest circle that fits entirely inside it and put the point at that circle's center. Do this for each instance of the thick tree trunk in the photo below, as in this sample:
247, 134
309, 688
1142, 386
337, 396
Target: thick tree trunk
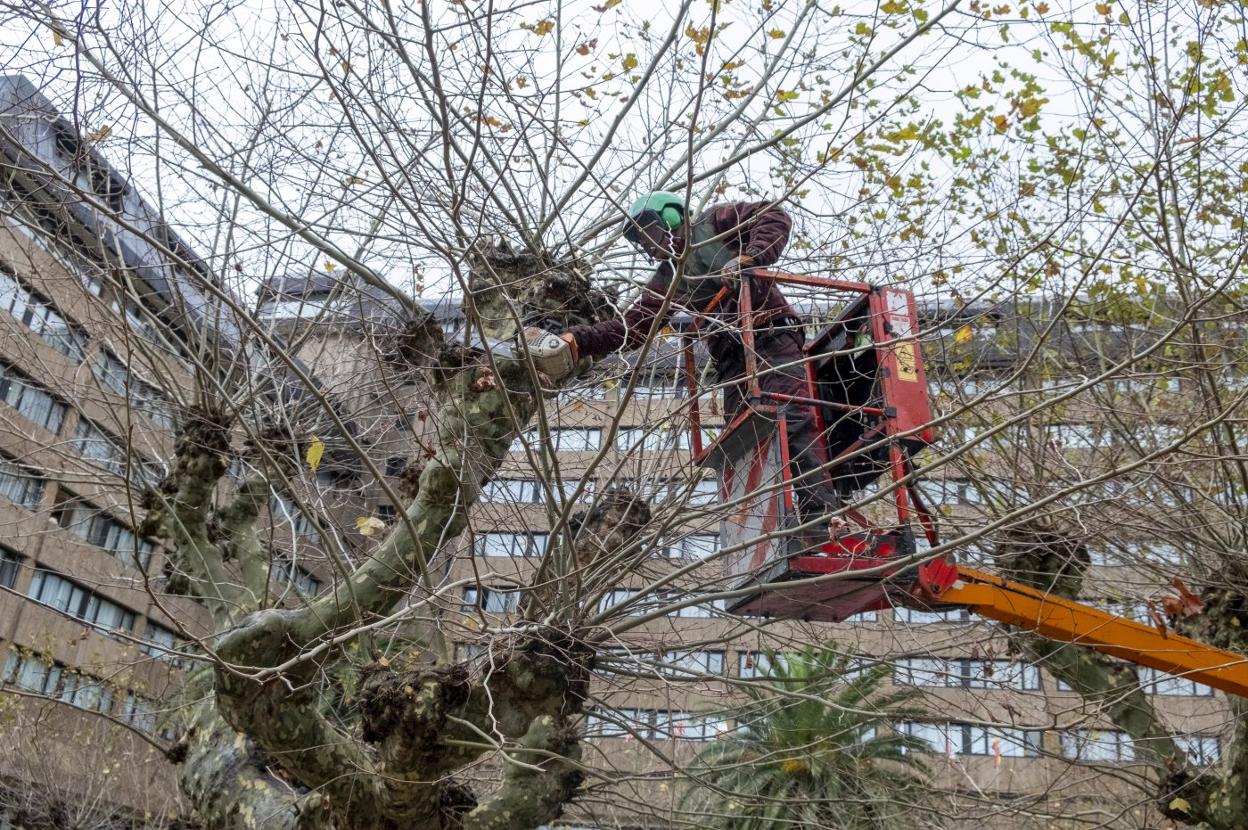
265, 750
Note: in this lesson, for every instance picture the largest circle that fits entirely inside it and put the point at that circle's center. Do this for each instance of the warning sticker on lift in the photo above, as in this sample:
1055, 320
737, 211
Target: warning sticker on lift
907, 364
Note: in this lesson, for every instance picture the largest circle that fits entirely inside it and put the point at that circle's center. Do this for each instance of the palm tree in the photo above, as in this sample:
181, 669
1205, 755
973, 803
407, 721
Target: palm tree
814, 748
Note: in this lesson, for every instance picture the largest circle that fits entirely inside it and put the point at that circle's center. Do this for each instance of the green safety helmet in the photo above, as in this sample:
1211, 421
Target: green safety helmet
662, 207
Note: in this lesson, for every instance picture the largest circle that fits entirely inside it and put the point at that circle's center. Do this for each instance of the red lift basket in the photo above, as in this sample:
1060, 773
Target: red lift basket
866, 389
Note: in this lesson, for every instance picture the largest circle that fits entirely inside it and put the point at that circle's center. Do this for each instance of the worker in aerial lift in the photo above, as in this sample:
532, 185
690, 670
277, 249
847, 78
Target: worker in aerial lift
704, 255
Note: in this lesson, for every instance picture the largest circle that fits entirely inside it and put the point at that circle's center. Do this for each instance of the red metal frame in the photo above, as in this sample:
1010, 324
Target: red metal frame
901, 377
903, 421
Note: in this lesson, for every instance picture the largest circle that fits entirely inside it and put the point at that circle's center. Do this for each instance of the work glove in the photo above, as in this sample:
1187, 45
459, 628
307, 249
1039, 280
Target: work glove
730, 274
554, 355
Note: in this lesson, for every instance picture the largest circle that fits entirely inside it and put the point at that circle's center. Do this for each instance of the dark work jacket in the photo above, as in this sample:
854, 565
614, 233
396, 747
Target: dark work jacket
712, 240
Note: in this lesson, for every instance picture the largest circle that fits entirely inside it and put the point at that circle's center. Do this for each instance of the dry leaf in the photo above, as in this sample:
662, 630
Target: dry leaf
98, 135
544, 27
964, 334
368, 525
1190, 604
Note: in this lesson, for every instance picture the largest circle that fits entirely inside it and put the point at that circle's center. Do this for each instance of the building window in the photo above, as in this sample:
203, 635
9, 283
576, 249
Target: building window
915, 616
95, 528
949, 492
568, 489
498, 543
10, 567
684, 726
31, 402
614, 597
305, 306
86, 693
1201, 750
702, 492
20, 485
659, 388
1156, 682
299, 578
618, 723
35, 673
138, 319
395, 465
950, 739
283, 511
693, 546
658, 439
966, 673
387, 513
513, 491
571, 439
660, 724
704, 661
652, 602
41, 317
56, 591
32, 673
1097, 745
139, 712
104, 451
490, 601
701, 610
114, 374
468, 651
1072, 436
161, 643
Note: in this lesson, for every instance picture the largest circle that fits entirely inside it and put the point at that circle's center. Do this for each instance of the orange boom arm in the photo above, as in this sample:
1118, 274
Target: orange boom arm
1062, 619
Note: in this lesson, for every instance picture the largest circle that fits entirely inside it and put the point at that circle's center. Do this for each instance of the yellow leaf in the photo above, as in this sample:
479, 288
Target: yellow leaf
1031, 106
368, 525
1001, 123
1103, 8
964, 334
329, 266
315, 452
1182, 805
910, 132
56, 38
776, 34
610, 4
544, 27
630, 61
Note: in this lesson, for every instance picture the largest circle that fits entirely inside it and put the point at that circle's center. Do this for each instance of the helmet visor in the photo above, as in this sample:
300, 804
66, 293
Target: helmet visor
635, 226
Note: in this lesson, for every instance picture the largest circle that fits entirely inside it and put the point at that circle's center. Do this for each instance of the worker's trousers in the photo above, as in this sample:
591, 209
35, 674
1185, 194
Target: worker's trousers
780, 370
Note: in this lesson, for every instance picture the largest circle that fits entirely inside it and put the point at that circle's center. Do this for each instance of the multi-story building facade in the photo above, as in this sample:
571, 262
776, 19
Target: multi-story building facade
91, 375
